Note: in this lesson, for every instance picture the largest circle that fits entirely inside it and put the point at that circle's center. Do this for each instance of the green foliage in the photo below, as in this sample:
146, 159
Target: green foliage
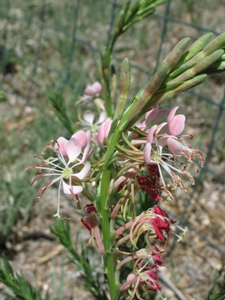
85, 261
16, 195
58, 103
214, 294
18, 200
21, 289
3, 96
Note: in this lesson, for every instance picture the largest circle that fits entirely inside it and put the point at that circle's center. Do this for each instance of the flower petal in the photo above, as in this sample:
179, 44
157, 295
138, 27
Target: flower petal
172, 114
75, 189
97, 87
151, 133
147, 153
102, 117
62, 145
174, 146
86, 153
150, 115
100, 136
163, 141
81, 137
89, 117
73, 149
93, 89
161, 113
176, 126
83, 173
107, 128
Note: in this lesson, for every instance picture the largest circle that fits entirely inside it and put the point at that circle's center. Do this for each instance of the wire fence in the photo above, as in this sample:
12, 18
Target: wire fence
25, 28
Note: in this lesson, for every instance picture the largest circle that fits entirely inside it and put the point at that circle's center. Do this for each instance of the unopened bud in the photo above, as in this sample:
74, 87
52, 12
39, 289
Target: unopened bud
208, 61
217, 43
156, 81
175, 55
124, 87
197, 46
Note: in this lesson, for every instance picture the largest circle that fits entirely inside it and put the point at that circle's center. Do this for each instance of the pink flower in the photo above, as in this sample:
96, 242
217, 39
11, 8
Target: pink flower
93, 89
69, 168
165, 150
91, 123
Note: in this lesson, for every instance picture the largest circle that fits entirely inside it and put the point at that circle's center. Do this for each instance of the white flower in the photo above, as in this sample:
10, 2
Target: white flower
68, 169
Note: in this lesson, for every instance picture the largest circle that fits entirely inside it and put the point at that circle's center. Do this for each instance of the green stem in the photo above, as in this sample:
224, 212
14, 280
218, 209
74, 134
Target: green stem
107, 231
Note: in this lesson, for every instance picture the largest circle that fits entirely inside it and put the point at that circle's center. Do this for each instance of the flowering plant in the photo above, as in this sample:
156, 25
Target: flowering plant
128, 151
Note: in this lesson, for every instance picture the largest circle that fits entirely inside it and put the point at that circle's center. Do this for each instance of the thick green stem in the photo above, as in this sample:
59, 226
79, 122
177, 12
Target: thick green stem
107, 232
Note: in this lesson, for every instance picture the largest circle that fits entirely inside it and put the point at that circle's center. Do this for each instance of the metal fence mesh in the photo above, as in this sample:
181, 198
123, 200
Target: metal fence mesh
54, 44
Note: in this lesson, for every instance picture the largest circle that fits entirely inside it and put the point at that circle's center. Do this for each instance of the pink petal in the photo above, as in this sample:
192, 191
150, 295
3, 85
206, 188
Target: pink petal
151, 133
161, 113
147, 153
174, 146
83, 173
62, 145
150, 115
73, 149
155, 115
86, 153
76, 189
100, 136
172, 114
90, 91
97, 87
160, 128
163, 141
88, 135
93, 89
176, 126
81, 137
107, 127
164, 129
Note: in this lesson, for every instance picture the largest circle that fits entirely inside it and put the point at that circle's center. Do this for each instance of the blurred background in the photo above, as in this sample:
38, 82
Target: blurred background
53, 46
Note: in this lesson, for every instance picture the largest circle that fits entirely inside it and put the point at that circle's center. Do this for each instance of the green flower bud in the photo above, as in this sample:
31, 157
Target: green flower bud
217, 43
175, 55
197, 46
124, 86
